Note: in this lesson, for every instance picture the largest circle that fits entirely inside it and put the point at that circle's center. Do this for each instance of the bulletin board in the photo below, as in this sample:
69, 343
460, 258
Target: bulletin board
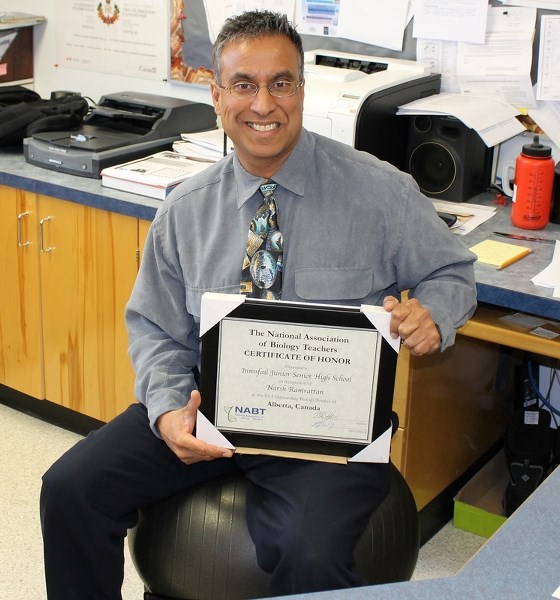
191, 49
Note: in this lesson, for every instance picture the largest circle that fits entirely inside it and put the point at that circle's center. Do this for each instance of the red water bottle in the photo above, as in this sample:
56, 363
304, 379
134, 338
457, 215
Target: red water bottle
532, 186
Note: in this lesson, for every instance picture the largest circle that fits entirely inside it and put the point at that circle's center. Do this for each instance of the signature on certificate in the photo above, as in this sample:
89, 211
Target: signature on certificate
325, 419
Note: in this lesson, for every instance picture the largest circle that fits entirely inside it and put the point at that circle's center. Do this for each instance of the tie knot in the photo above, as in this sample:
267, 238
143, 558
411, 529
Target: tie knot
267, 189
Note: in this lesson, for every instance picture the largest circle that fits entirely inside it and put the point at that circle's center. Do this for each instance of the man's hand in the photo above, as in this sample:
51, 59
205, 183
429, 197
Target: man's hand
176, 427
414, 324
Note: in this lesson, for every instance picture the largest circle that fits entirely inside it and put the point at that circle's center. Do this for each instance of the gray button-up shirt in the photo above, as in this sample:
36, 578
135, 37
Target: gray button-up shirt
355, 230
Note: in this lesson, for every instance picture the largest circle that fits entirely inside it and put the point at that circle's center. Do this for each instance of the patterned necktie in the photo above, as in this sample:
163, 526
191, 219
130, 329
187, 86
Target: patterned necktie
261, 276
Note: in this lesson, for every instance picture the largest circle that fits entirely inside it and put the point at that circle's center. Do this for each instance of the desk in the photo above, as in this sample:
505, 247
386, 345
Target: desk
511, 288
454, 407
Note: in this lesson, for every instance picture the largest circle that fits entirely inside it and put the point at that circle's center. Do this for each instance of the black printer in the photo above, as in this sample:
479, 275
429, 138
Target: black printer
121, 127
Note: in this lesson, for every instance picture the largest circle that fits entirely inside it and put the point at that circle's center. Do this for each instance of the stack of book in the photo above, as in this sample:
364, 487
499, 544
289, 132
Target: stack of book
208, 146
154, 176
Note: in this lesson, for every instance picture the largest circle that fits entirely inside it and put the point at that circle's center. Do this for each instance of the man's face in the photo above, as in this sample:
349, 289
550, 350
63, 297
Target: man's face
264, 129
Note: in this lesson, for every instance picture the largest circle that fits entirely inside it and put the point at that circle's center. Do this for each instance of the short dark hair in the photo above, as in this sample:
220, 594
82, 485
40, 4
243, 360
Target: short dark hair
251, 25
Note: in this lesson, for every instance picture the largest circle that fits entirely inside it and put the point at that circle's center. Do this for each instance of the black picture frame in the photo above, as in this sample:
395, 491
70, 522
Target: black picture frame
262, 311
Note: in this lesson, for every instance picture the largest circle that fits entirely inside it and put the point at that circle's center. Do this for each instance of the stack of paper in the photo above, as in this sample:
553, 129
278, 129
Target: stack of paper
469, 216
208, 146
494, 120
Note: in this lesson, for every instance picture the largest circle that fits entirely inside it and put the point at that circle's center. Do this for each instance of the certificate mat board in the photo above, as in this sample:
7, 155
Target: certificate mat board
297, 379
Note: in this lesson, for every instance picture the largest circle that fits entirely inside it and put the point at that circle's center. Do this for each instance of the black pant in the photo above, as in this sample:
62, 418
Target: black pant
305, 517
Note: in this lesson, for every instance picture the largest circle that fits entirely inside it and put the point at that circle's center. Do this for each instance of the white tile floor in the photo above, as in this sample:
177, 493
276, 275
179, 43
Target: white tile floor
29, 446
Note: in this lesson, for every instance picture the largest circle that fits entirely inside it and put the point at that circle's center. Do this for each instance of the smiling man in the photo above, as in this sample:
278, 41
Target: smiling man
354, 231
258, 93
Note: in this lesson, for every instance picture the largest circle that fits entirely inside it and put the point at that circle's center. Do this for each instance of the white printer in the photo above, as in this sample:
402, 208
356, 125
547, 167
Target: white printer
353, 98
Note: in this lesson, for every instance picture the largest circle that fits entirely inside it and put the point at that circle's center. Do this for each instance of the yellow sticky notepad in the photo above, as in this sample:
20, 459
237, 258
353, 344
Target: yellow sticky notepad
500, 254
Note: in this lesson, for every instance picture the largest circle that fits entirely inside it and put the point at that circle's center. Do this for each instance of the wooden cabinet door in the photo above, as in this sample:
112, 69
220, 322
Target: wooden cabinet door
88, 266
21, 360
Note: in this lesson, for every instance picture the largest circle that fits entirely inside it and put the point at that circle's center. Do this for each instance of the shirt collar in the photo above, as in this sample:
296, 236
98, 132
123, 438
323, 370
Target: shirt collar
291, 176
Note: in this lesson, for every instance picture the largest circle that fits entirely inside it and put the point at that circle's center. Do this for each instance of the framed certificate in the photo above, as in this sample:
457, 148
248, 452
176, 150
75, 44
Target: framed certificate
297, 377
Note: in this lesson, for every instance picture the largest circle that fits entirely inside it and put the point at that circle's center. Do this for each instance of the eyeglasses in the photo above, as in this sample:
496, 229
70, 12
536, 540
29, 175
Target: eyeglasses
278, 89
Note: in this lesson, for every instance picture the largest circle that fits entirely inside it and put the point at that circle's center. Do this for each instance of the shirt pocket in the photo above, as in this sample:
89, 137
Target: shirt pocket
328, 283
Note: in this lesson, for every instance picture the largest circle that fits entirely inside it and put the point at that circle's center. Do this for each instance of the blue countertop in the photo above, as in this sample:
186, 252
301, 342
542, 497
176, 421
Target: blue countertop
520, 561
512, 287
16, 172
509, 288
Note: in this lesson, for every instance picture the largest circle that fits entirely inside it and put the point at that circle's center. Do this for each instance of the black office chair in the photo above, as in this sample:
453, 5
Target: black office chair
196, 545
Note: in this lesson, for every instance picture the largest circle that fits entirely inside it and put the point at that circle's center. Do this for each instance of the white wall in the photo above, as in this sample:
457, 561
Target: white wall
49, 78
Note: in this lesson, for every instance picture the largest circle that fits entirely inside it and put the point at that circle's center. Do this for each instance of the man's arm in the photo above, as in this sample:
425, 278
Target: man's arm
435, 267
164, 349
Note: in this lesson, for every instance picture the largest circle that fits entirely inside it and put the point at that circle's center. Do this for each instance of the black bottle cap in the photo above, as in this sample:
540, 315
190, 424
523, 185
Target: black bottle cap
537, 149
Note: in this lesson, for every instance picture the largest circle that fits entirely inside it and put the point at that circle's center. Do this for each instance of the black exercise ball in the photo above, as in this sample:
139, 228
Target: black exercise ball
195, 545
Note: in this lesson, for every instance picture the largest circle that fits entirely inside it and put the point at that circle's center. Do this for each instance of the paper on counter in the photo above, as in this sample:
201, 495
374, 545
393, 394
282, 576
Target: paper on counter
499, 254
469, 216
550, 276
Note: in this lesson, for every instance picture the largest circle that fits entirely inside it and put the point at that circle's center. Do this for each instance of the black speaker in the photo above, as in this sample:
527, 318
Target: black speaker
448, 160
379, 130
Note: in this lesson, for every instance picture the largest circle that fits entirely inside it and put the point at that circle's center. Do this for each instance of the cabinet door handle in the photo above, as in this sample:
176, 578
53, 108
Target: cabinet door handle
41, 223
21, 243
